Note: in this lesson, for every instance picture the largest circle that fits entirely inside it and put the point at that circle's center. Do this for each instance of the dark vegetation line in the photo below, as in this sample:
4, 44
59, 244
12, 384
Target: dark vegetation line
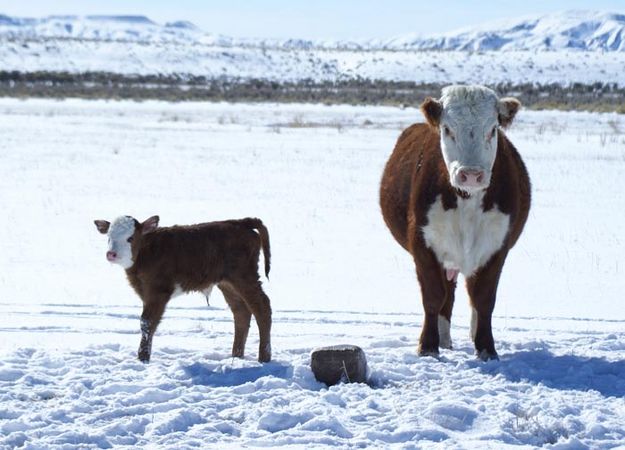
604, 97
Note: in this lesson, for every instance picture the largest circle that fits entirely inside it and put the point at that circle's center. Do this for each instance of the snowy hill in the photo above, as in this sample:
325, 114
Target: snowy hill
584, 47
581, 30
569, 30
100, 28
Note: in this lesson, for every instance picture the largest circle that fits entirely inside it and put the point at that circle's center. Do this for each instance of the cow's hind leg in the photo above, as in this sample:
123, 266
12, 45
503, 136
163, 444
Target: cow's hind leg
153, 309
482, 288
444, 317
258, 303
242, 318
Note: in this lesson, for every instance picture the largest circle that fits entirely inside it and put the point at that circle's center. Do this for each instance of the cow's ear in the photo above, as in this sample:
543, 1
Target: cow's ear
507, 109
149, 225
102, 226
432, 110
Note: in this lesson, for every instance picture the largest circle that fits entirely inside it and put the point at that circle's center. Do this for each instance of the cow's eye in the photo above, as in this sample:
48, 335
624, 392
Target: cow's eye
130, 238
493, 132
447, 132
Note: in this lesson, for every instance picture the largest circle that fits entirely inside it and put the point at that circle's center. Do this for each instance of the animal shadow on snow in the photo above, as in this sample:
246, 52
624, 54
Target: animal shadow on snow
567, 372
218, 376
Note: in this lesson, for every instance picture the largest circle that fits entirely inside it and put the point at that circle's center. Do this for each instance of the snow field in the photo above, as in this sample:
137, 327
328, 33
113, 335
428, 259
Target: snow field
562, 67
69, 328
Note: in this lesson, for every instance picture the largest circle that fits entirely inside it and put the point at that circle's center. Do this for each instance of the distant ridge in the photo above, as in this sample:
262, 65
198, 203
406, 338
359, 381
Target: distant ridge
567, 30
570, 30
572, 47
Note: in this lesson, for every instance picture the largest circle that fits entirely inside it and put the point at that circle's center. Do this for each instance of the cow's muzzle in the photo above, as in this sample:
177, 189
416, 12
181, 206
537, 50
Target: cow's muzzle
471, 178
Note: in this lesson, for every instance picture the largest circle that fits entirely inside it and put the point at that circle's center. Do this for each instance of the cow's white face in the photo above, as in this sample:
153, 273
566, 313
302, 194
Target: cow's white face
468, 119
122, 234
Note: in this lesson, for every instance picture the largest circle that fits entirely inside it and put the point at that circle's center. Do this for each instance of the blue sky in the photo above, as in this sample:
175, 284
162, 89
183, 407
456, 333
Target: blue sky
340, 19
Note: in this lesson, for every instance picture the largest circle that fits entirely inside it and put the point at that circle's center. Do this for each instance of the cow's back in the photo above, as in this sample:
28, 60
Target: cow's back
414, 150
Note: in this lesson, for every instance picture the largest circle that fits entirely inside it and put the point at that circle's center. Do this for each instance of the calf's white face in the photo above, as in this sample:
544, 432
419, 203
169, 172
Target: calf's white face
468, 119
122, 233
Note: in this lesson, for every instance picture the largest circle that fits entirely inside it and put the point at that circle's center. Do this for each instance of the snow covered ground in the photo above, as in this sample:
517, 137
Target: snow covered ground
69, 321
491, 67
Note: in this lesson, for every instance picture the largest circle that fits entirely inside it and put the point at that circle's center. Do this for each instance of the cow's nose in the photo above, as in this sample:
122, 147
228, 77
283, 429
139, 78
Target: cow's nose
111, 256
471, 177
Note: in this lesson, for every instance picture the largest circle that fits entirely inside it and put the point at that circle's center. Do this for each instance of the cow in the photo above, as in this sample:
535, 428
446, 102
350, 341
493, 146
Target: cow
456, 195
163, 262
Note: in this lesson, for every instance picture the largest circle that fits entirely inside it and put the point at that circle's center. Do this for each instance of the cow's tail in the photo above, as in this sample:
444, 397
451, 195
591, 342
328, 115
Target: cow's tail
258, 225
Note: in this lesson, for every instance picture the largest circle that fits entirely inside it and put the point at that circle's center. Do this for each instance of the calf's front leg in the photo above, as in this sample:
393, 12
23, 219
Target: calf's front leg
153, 309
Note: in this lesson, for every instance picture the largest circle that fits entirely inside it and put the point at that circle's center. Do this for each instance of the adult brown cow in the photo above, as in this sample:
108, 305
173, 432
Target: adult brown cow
455, 194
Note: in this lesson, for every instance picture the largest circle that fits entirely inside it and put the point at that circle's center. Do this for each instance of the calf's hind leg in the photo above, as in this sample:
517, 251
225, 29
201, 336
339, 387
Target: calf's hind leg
258, 303
242, 318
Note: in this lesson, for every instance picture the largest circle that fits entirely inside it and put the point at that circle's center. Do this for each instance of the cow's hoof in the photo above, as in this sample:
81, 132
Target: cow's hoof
143, 358
425, 352
485, 355
264, 358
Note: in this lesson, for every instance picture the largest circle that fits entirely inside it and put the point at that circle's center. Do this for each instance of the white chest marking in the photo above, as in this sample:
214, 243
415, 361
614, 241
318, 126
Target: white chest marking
464, 238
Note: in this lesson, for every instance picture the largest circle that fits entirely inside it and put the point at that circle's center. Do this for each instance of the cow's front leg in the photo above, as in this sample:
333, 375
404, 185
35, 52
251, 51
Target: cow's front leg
153, 310
482, 288
432, 282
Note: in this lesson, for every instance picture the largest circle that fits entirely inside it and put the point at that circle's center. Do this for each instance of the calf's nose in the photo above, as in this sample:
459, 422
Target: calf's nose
111, 256
471, 177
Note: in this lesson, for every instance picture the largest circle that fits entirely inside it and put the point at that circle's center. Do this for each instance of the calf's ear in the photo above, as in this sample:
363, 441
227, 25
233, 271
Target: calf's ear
149, 225
507, 109
432, 110
102, 226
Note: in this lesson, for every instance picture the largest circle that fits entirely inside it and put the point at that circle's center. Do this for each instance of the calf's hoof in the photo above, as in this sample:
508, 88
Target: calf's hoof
485, 355
428, 352
143, 357
264, 354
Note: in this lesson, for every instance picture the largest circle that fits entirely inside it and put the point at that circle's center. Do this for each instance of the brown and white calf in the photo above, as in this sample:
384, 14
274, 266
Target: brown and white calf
164, 262
455, 194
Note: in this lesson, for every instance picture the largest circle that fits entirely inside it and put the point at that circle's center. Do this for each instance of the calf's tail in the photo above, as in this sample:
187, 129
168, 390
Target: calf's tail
258, 225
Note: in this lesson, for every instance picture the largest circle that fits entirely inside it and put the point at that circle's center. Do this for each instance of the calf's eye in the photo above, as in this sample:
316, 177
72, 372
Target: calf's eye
130, 238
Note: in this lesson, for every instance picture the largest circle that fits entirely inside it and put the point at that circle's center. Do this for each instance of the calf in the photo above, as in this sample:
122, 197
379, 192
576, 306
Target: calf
164, 262
455, 194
